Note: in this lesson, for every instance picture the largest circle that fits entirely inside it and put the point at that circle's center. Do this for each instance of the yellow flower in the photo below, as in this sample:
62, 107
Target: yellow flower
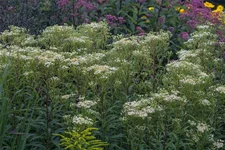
209, 5
151, 8
147, 21
182, 11
219, 9
143, 17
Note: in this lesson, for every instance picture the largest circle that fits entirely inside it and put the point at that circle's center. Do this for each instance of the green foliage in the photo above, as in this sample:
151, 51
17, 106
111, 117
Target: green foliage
130, 90
83, 140
97, 32
16, 36
181, 112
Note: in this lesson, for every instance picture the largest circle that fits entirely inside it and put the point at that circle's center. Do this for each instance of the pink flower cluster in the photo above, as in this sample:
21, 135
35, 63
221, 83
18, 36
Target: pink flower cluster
63, 3
112, 20
196, 13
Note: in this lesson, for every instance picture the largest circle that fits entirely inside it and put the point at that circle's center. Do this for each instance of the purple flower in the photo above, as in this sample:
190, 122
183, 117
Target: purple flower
121, 20
10, 8
171, 29
62, 3
184, 35
149, 15
141, 1
161, 20
141, 32
86, 20
192, 23
139, 29
111, 19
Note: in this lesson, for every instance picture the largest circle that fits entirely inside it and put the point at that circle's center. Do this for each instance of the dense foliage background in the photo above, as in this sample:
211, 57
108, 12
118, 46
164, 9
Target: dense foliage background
112, 74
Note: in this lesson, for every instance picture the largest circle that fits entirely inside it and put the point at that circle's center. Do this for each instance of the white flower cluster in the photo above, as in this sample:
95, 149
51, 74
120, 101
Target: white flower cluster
220, 89
160, 37
103, 70
202, 127
187, 73
205, 102
142, 108
81, 39
186, 55
197, 130
49, 57
203, 27
54, 79
82, 120
200, 38
126, 43
57, 28
86, 104
165, 96
67, 96
182, 65
27, 53
28, 41
95, 26
27, 73
86, 59
14, 31
218, 144
190, 80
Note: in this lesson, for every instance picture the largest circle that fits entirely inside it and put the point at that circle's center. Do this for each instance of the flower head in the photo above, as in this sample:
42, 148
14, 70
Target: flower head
209, 5
182, 11
151, 8
219, 9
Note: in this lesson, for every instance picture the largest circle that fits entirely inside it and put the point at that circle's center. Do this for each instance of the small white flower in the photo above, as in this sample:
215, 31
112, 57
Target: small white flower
86, 104
192, 123
201, 127
67, 96
28, 73
82, 120
218, 144
54, 79
205, 102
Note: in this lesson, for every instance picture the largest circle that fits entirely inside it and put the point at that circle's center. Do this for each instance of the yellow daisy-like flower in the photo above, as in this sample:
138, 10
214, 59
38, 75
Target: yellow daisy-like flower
151, 8
219, 9
182, 11
209, 5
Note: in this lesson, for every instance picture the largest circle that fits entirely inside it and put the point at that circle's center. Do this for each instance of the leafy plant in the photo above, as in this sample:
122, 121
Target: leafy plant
83, 140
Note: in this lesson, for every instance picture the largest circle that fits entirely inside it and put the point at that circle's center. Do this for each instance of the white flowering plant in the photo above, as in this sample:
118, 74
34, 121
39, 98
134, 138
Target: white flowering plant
68, 79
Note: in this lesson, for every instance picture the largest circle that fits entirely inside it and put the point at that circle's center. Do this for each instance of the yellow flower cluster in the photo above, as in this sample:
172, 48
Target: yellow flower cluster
218, 12
219, 8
